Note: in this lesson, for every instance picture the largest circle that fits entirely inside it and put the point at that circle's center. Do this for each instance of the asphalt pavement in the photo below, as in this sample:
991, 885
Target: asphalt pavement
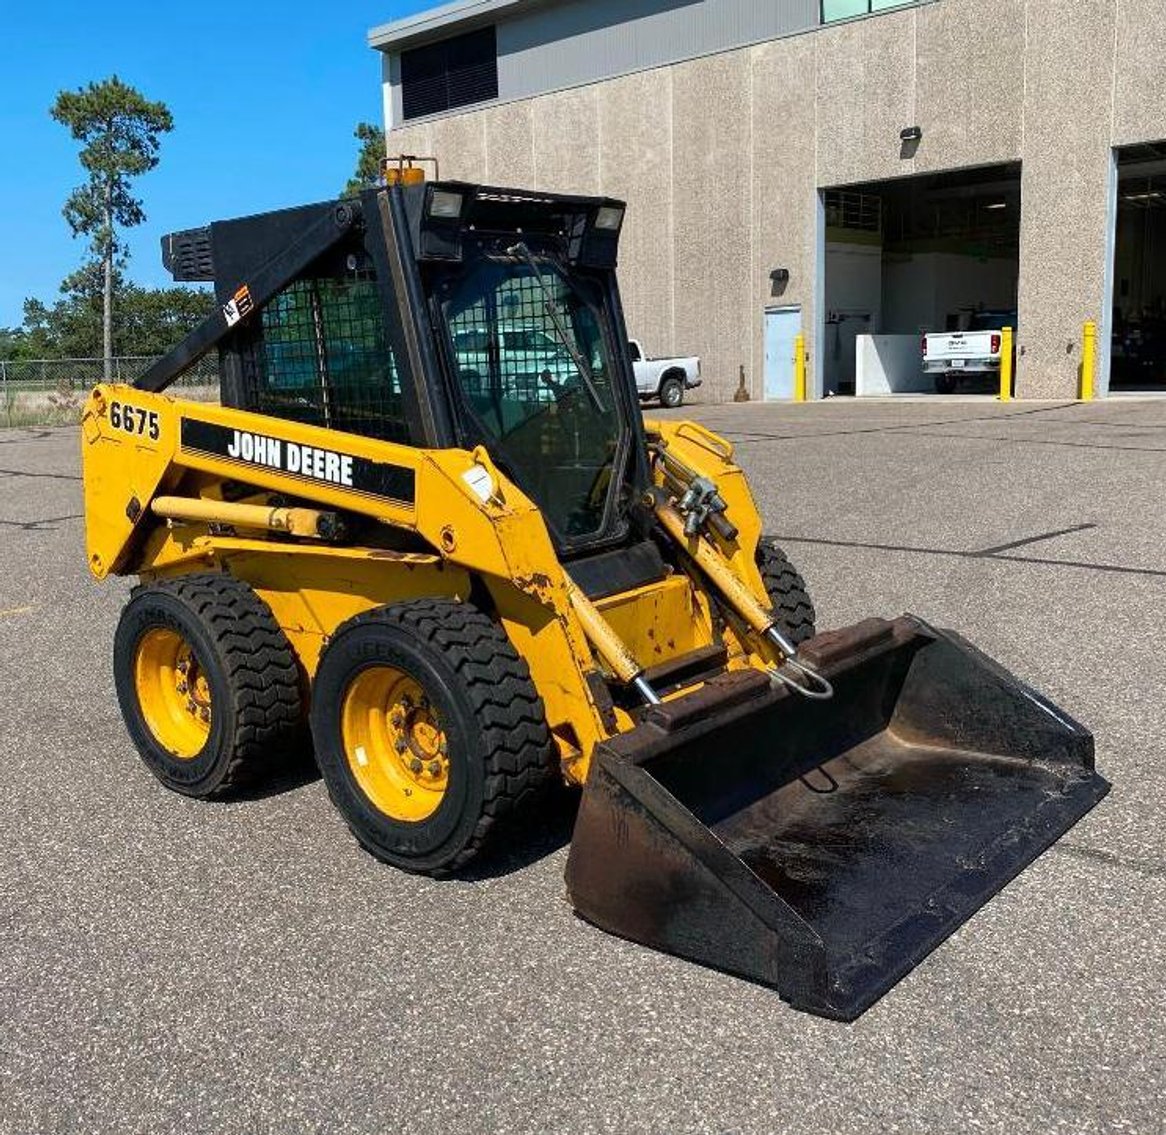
171, 965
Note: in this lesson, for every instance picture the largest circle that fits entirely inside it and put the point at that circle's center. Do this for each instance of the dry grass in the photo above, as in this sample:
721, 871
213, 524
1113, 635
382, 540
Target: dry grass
63, 406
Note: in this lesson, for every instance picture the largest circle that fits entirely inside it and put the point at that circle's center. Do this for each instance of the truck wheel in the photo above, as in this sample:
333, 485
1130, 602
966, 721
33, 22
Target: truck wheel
945, 383
207, 683
787, 592
428, 732
672, 393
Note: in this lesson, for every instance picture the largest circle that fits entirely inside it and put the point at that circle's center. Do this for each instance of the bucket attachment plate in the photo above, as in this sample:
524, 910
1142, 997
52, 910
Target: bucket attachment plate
825, 848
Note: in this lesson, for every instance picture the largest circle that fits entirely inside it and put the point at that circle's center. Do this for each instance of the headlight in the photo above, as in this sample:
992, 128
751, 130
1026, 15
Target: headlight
445, 205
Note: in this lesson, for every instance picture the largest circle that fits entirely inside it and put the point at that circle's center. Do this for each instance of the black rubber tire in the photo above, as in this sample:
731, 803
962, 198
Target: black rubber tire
946, 383
249, 665
672, 392
787, 592
499, 747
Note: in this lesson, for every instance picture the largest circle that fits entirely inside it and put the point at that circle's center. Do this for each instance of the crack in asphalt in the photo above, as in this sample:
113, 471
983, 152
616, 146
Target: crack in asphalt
988, 552
1154, 868
38, 525
956, 553
44, 476
747, 435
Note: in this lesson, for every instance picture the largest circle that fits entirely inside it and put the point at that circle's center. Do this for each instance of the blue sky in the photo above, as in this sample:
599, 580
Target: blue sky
264, 98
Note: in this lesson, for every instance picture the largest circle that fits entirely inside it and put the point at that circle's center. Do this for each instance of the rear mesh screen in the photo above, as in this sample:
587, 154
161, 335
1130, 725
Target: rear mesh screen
319, 355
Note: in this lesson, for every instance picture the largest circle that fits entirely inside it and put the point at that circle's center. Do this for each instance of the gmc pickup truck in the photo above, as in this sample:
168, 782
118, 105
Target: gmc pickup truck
663, 379
974, 353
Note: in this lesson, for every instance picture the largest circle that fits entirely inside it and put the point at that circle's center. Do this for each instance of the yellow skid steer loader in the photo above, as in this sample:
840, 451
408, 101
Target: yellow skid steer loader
428, 521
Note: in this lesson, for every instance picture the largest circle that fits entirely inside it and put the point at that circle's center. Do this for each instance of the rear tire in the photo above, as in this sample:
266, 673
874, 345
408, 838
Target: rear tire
946, 383
672, 393
207, 683
787, 593
428, 731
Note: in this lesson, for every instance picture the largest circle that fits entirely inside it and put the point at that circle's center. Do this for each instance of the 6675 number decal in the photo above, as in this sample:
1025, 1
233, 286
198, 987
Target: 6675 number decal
134, 420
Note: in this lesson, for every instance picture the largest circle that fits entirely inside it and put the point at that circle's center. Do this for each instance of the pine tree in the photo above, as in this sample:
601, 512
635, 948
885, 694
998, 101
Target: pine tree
119, 128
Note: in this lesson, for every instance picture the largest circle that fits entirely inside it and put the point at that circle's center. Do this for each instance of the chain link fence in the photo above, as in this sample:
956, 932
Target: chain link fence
51, 392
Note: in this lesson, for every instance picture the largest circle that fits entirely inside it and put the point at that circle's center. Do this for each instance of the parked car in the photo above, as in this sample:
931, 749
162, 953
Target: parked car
974, 353
664, 380
532, 362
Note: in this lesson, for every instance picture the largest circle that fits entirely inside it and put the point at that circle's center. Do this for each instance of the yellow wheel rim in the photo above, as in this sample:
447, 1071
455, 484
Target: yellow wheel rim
173, 692
395, 744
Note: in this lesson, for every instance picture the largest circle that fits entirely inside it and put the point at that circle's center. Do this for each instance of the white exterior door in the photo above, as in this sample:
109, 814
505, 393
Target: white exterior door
782, 326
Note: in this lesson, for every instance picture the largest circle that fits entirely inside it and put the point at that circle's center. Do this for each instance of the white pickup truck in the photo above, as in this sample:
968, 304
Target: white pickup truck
974, 353
663, 379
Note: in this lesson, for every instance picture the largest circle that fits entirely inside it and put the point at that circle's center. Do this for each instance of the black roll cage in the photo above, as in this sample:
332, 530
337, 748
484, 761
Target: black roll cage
251, 260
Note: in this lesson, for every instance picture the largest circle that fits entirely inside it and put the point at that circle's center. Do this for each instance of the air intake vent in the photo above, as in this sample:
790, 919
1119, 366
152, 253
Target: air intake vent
187, 255
453, 72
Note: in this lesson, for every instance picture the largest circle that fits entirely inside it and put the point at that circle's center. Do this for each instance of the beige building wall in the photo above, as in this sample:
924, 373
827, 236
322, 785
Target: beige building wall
721, 160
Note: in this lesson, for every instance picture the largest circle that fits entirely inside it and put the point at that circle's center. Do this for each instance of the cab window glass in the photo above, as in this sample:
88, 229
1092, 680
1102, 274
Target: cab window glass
534, 370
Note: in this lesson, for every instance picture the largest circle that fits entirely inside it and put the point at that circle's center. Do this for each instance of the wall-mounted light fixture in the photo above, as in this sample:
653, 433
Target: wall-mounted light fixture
909, 139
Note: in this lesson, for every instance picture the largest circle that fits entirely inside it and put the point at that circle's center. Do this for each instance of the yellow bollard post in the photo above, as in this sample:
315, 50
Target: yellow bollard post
799, 368
1006, 365
1088, 360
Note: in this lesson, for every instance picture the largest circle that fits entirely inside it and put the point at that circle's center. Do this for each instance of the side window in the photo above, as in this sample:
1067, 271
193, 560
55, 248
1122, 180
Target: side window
849, 9
634, 350
322, 357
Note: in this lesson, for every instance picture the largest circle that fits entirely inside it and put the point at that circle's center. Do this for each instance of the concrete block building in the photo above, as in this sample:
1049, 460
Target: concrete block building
859, 171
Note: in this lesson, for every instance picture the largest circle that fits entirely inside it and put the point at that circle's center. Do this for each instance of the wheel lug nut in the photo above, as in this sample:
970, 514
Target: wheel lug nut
205, 714
182, 687
415, 765
401, 746
435, 768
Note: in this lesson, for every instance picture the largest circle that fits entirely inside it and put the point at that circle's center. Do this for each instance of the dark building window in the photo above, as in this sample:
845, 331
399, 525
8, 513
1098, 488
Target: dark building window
455, 72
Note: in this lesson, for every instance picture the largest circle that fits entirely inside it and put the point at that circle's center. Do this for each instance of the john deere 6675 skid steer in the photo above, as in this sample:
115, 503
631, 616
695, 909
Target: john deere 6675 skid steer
428, 521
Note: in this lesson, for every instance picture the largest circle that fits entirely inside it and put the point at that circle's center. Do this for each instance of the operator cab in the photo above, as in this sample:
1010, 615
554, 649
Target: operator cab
443, 314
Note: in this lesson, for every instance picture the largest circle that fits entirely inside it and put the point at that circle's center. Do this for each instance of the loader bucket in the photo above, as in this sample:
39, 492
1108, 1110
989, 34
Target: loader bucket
825, 848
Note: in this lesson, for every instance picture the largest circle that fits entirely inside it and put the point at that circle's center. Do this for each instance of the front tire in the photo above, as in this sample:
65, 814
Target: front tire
428, 732
787, 591
672, 393
207, 683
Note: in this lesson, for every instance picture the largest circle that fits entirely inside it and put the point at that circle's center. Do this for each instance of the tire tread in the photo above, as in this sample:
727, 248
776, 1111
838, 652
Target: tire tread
517, 744
260, 665
787, 592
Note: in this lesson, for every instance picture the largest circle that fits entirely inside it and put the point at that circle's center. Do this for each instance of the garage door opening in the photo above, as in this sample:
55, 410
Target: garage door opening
1138, 345
934, 253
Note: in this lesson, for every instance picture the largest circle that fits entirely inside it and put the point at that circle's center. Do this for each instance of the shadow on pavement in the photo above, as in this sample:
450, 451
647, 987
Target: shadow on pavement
542, 832
297, 770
